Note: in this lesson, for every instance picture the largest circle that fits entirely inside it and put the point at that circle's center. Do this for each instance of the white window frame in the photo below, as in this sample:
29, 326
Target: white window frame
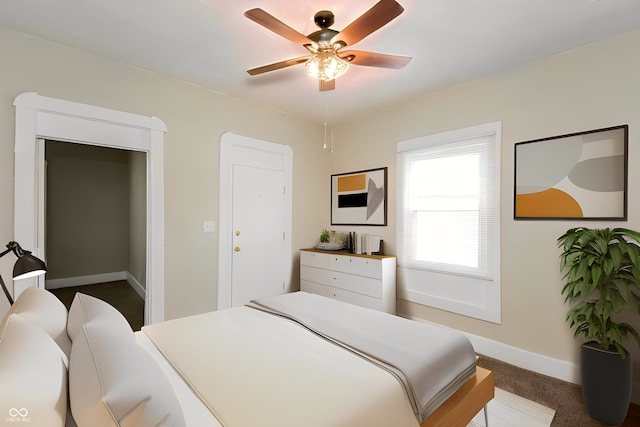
471, 293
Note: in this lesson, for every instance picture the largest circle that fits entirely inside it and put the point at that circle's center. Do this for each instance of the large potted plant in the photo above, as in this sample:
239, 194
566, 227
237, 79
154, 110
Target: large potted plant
602, 273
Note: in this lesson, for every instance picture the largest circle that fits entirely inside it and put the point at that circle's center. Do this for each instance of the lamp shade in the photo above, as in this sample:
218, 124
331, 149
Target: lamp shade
28, 266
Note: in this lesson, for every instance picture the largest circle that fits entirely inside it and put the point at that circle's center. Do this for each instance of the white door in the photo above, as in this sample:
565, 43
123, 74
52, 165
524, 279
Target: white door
254, 251
258, 234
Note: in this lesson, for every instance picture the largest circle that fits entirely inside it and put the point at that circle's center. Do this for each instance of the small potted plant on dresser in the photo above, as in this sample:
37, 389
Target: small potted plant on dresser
602, 273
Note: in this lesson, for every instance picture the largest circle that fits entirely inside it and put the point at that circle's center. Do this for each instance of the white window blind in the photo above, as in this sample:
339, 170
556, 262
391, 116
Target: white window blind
448, 217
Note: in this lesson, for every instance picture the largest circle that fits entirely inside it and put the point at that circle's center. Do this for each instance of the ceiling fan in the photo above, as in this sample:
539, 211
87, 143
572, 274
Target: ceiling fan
326, 60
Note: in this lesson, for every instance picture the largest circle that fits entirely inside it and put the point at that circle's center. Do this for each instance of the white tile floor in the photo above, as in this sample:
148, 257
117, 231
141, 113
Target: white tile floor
510, 410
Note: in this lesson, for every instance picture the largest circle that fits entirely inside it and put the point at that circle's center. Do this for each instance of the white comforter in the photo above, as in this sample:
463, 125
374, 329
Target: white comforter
251, 368
431, 362
254, 369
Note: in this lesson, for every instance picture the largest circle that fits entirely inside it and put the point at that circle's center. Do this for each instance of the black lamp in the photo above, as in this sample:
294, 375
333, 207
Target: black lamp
26, 266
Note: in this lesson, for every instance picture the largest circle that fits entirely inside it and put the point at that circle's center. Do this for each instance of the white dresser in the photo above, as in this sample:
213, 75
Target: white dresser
365, 280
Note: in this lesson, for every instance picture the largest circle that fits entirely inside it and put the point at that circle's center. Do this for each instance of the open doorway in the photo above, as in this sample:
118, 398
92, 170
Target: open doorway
39, 118
95, 225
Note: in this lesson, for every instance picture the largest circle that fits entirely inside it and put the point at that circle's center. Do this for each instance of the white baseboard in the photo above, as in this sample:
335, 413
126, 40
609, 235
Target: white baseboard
137, 286
115, 276
535, 362
91, 279
525, 359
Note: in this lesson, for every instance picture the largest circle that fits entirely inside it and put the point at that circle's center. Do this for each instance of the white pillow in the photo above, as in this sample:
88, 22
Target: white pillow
33, 376
114, 382
47, 311
85, 309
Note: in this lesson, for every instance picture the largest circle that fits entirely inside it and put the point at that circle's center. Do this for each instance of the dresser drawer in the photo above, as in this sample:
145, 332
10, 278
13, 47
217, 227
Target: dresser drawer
314, 259
343, 295
368, 281
314, 274
356, 265
337, 279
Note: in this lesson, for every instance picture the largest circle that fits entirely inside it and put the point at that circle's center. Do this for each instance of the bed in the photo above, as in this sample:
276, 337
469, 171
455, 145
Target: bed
283, 363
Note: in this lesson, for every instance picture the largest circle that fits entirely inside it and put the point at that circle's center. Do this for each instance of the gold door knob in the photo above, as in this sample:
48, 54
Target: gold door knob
238, 233
237, 249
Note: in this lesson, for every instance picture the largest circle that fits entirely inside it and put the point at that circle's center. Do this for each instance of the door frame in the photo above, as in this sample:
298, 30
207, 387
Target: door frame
50, 118
241, 150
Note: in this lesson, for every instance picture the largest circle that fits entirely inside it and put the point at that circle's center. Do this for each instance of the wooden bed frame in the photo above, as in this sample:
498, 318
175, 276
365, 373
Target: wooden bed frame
471, 398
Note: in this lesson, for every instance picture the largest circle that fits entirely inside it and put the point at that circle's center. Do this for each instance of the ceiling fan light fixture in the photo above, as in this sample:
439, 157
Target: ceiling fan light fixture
326, 65
323, 62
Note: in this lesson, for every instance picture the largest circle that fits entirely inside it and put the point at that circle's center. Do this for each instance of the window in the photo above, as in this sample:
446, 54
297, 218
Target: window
448, 221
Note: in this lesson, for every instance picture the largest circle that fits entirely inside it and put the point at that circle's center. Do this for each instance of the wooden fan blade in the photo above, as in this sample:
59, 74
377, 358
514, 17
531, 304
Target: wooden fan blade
274, 24
379, 15
278, 65
326, 85
372, 59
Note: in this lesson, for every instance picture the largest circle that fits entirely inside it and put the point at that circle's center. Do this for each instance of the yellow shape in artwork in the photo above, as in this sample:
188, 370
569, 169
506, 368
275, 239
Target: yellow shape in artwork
352, 182
551, 203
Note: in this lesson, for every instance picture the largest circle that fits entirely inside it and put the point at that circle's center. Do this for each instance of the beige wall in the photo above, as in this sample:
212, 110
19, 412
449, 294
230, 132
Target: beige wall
87, 210
588, 88
195, 119
96, 212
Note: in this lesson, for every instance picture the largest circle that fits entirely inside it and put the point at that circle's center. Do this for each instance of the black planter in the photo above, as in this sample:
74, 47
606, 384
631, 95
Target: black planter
606, 383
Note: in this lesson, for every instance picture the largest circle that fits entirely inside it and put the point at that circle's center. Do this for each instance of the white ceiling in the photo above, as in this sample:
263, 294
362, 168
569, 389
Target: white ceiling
210, 43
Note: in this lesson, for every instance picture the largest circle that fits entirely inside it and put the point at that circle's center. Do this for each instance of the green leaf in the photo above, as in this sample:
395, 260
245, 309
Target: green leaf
601, 269
616, 255
621, 350
625, 292
596, 273
634, 253
635, 335
602, 242
607, 265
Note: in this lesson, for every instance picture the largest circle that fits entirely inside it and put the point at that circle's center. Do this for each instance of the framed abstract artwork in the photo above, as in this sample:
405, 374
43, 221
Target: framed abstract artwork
359, 198
575, 176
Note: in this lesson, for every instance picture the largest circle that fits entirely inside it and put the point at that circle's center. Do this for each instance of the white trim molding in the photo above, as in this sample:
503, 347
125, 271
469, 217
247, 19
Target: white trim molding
473, 291
68, 282
49, 118
525, 359
91, 279
521, 358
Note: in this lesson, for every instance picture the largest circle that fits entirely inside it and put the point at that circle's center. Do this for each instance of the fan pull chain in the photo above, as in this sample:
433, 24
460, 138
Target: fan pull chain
324, 145
331, 150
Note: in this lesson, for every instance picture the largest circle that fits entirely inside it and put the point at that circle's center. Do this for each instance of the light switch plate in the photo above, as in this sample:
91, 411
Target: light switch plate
209, 226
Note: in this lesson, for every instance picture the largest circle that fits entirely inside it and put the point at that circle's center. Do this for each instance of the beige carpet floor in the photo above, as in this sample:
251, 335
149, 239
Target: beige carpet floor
563, 397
